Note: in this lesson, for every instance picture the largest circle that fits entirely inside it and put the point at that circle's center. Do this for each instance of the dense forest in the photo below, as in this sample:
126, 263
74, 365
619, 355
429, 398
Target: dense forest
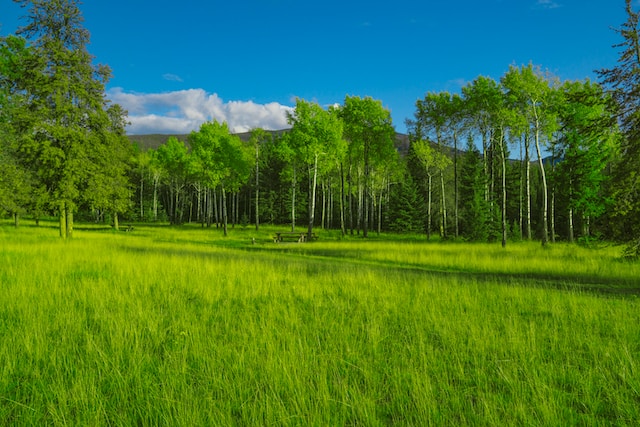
527, 156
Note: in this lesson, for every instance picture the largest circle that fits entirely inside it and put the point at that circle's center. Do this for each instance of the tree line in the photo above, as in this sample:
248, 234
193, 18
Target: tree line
527, 156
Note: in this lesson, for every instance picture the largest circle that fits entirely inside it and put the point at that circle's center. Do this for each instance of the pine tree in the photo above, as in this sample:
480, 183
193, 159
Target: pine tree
406, 212
65, 130
623, 82
473, 206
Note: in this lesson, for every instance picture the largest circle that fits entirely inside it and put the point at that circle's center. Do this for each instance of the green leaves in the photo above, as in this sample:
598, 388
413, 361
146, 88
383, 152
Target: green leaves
65, 133
219, 157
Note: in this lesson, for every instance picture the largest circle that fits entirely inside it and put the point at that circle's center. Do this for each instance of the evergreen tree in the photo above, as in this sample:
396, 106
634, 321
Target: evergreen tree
587, 143
406, 211
623, 82
473, 206
64, 131
15, 180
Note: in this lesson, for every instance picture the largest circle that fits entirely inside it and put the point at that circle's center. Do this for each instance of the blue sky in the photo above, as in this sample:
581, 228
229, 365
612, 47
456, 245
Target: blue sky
178, 64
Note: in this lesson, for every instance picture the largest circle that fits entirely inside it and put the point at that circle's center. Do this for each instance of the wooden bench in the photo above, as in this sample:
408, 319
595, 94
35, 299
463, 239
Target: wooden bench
293, 236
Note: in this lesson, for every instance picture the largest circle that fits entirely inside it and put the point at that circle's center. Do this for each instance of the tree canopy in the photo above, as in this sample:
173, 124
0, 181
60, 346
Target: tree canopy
544, 158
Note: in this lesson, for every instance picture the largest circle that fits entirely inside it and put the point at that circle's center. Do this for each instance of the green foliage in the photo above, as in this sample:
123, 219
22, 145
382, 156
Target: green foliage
316, 140
369, 130
65, 150
473, 206
588, 143
173, 164
406, 212
219, 157
623, 83
66, 135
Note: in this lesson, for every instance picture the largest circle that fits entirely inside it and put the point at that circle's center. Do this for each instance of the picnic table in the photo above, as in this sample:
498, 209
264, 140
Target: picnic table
292, 236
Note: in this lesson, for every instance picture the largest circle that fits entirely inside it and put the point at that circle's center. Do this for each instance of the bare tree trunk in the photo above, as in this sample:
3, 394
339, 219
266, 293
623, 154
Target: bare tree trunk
380, 212
553, 197
443, 226
360, 209
312, 202
350, 198
367, 184
571, 238
294, 183
216, 210
429, 208
257, 187
485, 165
545, 202
142, 196
62, 213
553, 214
155, 197
224, 211
455, 182
324, 205
504, 191
521, 195
200, 204
528, 184
69, 222
234, 209
586, 226
342, 201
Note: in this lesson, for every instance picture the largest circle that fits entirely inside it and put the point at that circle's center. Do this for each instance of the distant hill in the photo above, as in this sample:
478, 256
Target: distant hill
153, 141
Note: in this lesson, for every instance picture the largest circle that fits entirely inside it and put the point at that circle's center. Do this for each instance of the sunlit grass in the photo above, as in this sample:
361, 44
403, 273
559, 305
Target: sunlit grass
180, 326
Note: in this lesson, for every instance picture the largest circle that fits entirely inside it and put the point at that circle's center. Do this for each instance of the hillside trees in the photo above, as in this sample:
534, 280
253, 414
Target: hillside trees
64, 128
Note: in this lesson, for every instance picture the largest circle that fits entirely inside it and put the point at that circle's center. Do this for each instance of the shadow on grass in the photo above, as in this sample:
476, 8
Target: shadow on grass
318, 260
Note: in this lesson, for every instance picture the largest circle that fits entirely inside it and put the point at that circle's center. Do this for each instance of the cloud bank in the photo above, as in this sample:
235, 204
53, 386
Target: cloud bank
180, 112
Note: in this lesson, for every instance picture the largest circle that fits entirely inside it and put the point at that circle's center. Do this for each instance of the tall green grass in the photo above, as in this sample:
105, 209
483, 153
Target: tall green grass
180, 326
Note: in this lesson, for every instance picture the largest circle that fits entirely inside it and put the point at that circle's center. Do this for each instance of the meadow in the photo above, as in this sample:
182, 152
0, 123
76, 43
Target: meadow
181, 326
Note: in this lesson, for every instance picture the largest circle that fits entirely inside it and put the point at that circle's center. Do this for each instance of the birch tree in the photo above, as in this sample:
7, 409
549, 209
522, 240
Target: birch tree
531, 92
368, 126
433, 162
316, 136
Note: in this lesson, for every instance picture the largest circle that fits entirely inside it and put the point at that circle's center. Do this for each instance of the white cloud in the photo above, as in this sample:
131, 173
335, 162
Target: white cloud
172, 77
548, 4
185, 110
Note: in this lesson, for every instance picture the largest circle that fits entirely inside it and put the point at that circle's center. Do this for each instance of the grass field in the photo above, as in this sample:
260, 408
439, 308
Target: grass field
180, 326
